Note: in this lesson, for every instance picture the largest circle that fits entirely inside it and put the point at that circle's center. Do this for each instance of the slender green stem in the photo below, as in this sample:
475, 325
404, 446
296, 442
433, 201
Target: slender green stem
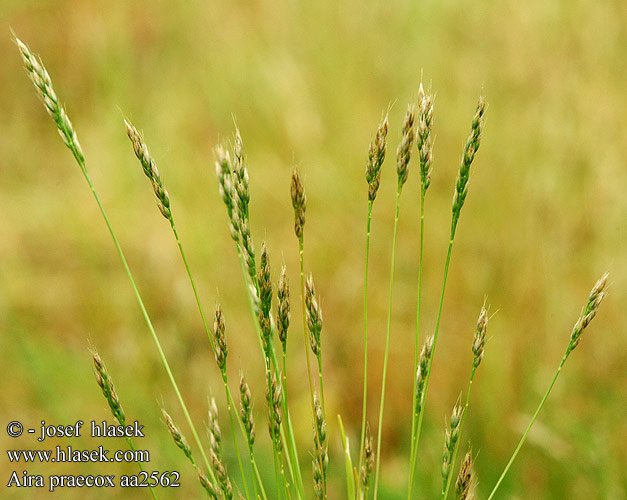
387, 344
364, 408
533, 419
236, 447
414, 421
211, 342
192, 283
81, 163
435, 337
141, 467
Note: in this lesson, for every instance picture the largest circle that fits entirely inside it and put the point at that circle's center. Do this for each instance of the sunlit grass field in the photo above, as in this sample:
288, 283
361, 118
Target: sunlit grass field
307, 83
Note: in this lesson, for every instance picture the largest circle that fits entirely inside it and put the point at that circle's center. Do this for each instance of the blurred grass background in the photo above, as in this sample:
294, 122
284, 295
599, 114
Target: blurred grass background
307, 83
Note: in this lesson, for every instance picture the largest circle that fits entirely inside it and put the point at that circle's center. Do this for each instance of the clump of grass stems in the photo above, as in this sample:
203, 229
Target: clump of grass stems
214, 477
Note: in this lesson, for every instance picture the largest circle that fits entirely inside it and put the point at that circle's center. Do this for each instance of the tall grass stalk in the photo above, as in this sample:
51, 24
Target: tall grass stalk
43, 84
424, 145
403, 156
587, 314
376, 157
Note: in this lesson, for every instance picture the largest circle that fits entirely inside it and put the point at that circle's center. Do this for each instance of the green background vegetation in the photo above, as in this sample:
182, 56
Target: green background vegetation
307, 82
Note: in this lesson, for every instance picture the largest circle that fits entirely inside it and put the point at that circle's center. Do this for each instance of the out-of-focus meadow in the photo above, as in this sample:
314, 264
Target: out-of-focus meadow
307, 83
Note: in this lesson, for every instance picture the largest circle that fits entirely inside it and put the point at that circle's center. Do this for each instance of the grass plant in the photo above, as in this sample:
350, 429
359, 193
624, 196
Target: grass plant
272, 322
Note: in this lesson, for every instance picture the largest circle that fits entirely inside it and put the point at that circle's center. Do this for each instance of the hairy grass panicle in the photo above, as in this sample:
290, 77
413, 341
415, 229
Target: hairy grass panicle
403, 153
314, 315
108, 389
246, 412
43, 83
421, 373
424, 142
299, 202
376, 156
464, 478
150, 169
470, 150
597, 294
283, 313
177, 436
450, 440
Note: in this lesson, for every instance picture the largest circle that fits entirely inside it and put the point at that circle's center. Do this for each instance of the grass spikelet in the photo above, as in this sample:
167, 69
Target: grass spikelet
368, 463
464, 478
283, 313
321, 434
403, 153
299, 202
321, 456
463, 176
423, 137
227, 191
223, 478
376, 156
273, 397
150, 169
314, 316
215, 436
246, 412
265, 301
108, 389
43, 83
207, 485
421, 373
178, 437
478, 343
588, 313
221, 348
450, 439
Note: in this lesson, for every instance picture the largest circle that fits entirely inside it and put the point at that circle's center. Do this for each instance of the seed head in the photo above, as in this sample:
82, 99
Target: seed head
479, 340
463, 176
150, 169
43, 83
299, 202
376, 156
283, 314
179, 439
589, 312
220, 345
450, 439
207, 485
462, 485
423, 137
421, 373
368, 463
215, 436
108, 389
246, 412
314, 315
403, 153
